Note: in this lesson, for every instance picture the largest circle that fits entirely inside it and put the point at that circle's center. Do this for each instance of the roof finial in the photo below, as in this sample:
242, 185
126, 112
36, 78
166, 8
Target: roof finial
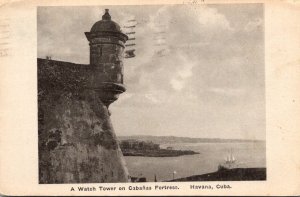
106, 16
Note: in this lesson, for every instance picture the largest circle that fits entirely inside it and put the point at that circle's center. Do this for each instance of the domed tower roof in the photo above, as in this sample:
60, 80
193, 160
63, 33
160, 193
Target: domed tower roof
106, 27
106, 24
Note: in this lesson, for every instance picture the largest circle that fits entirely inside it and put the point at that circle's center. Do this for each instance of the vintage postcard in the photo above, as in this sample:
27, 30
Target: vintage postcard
149, 98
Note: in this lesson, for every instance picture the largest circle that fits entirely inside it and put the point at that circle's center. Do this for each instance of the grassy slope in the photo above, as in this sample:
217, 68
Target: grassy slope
236, 174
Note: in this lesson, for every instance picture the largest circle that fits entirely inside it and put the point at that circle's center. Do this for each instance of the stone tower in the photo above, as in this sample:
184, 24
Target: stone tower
106, 54
77, 142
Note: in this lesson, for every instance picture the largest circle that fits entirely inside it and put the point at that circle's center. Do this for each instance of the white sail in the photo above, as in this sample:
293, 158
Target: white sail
228, 159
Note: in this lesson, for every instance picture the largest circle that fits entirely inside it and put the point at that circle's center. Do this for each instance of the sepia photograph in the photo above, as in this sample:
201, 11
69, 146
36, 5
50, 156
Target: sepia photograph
151, 93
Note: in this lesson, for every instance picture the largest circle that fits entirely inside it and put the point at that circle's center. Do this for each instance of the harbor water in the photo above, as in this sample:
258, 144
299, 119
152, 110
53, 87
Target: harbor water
247, 155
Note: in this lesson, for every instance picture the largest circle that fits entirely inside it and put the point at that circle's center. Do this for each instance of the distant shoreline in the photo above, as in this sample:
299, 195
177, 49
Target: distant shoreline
137, 147
158, 153
150, 146
175, 139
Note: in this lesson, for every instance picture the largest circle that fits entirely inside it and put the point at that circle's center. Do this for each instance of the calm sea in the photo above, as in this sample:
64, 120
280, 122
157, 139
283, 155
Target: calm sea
250, 154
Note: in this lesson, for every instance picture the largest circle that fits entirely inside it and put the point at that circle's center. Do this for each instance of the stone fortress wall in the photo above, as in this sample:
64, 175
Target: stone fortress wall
77, 142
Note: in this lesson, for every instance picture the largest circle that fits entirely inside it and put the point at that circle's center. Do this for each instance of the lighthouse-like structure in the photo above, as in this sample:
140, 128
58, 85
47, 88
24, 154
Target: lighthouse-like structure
107, 44
77, 142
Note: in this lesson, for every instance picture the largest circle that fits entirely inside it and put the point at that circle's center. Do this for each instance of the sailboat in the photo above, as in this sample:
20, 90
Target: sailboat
229, 162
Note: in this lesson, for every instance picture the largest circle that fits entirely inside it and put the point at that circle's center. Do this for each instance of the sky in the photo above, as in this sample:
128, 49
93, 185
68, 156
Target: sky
208, 83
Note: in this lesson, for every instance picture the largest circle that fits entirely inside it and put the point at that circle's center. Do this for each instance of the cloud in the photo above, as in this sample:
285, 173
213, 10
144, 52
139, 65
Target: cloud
177, 84
227, 91
253, 25
125, 18
152, 98
183, 72
125, 97
160, 20
185, 30
211, 70
208, 16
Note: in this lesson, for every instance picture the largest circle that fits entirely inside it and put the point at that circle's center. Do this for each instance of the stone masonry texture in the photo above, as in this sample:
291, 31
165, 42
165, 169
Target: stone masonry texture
77, 142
